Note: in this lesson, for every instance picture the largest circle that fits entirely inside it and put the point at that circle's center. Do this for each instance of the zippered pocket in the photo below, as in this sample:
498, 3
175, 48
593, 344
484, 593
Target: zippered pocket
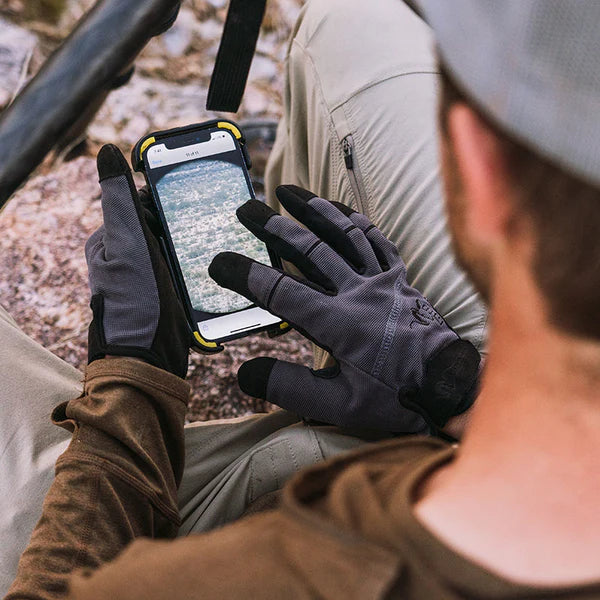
354, 175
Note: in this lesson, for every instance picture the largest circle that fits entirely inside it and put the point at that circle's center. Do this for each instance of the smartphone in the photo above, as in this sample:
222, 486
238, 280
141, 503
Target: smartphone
198, 176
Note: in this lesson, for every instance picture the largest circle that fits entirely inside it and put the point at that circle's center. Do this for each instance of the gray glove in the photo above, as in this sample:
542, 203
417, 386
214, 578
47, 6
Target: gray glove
399, 365
135, 307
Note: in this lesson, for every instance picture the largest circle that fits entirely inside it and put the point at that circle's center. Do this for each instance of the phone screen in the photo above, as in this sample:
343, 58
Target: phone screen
199, 186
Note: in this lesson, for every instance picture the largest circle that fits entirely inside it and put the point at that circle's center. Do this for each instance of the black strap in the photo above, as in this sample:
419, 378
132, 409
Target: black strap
235, 54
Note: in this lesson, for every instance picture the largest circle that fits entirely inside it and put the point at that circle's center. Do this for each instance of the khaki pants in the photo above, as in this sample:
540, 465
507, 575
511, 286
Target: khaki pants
361, 92
360, 71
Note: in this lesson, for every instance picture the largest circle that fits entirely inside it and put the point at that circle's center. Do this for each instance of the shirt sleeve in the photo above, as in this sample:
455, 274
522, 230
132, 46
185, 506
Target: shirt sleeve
116, 481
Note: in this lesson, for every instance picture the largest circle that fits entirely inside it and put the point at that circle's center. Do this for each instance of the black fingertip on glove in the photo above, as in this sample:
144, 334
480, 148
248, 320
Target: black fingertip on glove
296, 201
285, 191
253, 376
111, 163
231, 270
254, 212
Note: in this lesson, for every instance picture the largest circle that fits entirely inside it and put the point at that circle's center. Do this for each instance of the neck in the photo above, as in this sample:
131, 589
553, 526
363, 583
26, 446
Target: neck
540, 388
521, 497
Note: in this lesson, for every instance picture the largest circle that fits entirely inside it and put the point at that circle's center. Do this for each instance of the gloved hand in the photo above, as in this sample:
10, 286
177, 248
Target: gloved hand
399, 365
136, 311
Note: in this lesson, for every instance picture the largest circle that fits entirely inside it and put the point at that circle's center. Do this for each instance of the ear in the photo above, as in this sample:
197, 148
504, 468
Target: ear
483, 174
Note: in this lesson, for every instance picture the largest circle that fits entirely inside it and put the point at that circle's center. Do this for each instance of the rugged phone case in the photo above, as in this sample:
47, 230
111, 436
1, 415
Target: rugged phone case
137, 162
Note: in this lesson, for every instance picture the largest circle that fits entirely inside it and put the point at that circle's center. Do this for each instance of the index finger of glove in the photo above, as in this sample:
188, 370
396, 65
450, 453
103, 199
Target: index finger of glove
331, 225
300, 303
292, 242
120, 204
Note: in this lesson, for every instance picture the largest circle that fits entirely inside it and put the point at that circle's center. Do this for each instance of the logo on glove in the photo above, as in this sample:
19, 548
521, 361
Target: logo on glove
424, 314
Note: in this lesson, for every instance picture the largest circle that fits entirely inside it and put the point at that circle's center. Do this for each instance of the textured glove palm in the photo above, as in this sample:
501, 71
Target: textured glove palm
399, 366
135, 307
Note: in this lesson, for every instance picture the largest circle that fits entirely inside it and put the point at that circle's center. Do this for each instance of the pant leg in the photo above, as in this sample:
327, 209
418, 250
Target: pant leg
365, 72
33, 382
231, 463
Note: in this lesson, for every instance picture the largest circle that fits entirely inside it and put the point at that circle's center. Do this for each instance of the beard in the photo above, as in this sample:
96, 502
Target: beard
471, 257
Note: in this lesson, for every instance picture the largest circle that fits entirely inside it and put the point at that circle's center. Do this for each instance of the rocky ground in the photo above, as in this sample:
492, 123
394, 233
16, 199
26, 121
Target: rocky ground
45, 225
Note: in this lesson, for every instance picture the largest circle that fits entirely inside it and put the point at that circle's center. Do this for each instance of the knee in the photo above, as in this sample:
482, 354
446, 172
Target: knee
333, 20
325, 16
343, 31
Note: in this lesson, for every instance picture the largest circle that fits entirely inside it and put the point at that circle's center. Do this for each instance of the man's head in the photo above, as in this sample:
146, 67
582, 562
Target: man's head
519, 182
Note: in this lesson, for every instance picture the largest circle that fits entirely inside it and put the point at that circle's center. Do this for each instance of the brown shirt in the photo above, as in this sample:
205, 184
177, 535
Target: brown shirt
345, 528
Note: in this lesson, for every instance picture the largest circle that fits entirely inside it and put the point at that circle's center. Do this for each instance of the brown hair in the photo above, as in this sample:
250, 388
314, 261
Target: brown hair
565, 213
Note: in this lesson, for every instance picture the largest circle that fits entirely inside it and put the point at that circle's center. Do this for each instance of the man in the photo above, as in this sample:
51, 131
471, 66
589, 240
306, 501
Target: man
230, 464
512, 514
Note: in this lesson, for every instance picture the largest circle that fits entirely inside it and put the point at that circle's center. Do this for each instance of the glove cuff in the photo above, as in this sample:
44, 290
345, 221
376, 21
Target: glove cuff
174, 362
450, 386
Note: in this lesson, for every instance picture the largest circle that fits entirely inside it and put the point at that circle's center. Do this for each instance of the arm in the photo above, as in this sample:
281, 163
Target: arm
118, 479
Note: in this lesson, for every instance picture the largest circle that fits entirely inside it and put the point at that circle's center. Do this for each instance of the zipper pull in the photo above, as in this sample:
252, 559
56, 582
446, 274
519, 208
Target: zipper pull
347, 149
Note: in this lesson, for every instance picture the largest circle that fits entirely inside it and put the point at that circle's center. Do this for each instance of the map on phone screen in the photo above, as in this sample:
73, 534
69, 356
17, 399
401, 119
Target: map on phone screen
199, 197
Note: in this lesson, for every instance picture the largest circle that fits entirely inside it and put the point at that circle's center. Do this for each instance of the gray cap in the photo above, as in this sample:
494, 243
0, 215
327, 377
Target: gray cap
534, 68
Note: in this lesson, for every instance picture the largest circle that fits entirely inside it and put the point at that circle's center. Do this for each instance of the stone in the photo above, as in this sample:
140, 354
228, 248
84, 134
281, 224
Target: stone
145, 105
16, 48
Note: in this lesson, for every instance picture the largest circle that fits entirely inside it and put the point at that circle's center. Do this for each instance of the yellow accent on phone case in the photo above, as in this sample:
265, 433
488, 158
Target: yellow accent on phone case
203, 342
232, 128
146, 143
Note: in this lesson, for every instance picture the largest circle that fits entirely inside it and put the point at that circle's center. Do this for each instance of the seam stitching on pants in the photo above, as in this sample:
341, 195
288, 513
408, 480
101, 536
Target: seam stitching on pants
316, 441
335, 139
293, 456
319, 86
383, 80
250, 497
273, 467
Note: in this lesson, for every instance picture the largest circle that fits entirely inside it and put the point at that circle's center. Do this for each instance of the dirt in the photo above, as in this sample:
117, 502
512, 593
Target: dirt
43, 275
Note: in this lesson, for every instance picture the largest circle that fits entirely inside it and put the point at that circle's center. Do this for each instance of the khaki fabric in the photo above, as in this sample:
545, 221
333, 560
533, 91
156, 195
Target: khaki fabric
366, 72
229, 464
33, 382
118, 478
